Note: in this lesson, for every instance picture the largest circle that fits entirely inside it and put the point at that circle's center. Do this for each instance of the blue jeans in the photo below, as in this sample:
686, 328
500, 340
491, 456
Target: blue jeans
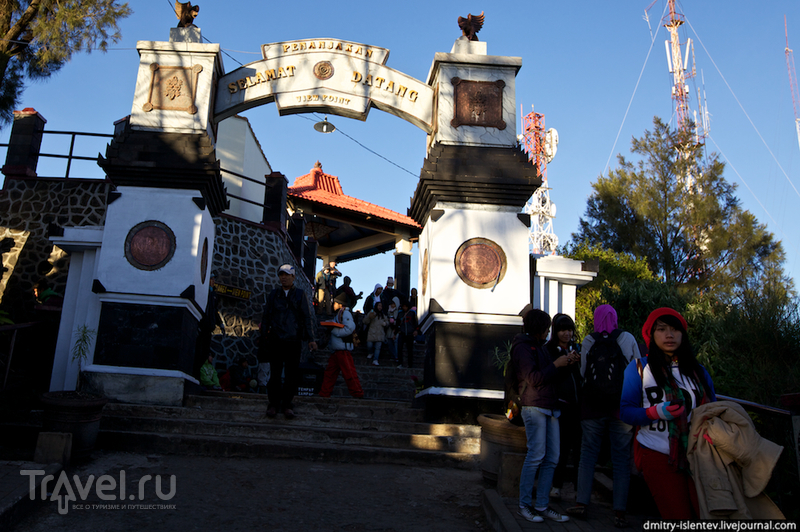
541, 430
374, 348
620, 435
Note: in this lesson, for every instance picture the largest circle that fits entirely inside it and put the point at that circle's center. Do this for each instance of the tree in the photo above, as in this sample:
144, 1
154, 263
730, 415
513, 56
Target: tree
40, 36
674, 208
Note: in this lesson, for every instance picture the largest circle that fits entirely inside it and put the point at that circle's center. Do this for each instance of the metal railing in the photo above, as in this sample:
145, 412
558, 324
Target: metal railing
246, 178
70, 156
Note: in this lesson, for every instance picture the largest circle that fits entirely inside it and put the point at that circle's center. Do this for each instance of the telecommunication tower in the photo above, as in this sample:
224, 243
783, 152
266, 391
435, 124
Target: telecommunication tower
678, 64
792, 80
540, 145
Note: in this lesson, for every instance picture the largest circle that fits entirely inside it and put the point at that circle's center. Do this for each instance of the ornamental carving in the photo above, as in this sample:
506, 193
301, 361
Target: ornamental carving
173, 88
149, 245
480, 263
323, 70
478, 103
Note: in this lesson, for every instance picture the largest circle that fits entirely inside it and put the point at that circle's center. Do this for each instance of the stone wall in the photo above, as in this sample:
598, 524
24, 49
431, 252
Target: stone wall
29, 210
247, 256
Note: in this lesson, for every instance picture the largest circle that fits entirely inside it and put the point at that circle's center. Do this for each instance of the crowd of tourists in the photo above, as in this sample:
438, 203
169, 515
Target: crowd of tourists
573, 398
639, 401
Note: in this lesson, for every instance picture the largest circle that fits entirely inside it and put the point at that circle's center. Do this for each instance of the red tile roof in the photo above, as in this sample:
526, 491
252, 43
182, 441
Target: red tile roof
323, 188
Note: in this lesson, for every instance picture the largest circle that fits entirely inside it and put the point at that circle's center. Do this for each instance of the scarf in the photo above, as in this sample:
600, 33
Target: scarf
679, 427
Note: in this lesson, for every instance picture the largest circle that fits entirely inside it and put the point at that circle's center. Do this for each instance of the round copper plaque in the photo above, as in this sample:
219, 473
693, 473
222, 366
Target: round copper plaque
425, 272
323, 70
204, 261
149, 245
480, 263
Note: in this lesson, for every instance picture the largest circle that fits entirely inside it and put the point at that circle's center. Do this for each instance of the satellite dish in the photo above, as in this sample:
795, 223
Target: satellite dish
552, 210
550, 144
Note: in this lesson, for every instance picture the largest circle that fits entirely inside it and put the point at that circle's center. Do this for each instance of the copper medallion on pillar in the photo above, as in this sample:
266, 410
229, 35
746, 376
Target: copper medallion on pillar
149, 245
425, 272
480, 263
204, 261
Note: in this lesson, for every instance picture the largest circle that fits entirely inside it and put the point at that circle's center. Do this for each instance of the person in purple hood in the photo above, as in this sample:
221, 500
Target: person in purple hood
606, 363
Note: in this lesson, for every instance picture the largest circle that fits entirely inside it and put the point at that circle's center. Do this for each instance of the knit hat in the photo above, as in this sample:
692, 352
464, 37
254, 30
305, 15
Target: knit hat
655, 315
341, 299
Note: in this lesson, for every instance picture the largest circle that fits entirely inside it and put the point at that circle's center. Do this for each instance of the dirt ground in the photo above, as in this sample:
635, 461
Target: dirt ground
278, 495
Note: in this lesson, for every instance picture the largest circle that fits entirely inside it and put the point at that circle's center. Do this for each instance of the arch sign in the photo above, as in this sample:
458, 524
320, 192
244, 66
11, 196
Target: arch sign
325, 75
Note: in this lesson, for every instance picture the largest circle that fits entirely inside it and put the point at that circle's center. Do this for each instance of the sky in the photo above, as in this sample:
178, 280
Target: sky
588, 66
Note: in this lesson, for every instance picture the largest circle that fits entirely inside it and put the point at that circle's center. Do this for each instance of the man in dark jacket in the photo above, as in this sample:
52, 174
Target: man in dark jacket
287, 322
537, 375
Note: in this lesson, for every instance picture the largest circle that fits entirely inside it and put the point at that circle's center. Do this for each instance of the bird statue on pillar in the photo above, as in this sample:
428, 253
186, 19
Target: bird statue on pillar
471, 25
186, 14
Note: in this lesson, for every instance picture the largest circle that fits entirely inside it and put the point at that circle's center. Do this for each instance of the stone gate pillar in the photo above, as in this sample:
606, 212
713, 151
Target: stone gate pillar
158, 242
474, 265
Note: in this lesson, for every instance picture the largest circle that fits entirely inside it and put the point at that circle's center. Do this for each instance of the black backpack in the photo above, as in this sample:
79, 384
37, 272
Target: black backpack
605, 369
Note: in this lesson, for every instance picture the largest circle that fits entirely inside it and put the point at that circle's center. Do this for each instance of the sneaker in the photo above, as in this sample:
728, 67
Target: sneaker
529, 514
288, 413
369, 356
555, 493
375, 363
272, 412
551, 514
399, 366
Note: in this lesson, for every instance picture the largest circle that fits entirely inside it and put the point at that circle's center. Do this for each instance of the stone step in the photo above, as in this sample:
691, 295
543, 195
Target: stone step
355, 430
220, 446
280, 430
307, 417
311, 405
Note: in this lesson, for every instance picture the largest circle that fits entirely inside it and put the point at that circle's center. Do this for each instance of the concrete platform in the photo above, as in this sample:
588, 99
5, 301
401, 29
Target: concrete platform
15, 501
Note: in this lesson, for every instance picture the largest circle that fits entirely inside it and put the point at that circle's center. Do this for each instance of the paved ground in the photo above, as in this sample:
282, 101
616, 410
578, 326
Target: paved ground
267, 494
278, 495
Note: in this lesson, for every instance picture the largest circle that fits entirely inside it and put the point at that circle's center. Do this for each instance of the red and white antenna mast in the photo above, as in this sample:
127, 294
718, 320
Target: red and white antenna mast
678, 64
540, 145
792, 80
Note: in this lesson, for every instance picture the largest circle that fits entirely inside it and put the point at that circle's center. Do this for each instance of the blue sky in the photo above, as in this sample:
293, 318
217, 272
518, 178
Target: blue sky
581, 63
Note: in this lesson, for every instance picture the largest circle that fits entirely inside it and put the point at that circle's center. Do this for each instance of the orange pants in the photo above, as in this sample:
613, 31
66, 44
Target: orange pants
341, 360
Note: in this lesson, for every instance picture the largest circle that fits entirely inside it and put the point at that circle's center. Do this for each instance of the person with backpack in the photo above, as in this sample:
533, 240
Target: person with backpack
537, 376
286, 323
604, 356
342, 357
658, 396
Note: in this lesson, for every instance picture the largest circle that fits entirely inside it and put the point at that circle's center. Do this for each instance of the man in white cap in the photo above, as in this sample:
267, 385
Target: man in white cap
287, 322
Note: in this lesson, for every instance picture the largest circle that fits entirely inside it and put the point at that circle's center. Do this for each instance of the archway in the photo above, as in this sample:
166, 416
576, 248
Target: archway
325, 75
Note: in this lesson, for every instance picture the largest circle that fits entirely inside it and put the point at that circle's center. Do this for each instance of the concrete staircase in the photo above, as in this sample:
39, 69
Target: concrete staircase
340, 429
383, 427
383, 382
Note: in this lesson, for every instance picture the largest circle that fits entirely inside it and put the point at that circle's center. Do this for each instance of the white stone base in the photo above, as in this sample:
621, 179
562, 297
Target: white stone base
141, 387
